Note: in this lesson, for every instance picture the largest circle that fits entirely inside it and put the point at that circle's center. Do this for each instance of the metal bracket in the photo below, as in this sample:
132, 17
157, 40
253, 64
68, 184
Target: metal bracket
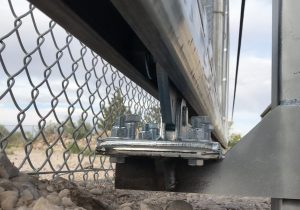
284, 204
167, 98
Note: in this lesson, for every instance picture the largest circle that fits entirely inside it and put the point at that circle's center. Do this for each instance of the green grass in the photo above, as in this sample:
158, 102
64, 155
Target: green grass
75, 149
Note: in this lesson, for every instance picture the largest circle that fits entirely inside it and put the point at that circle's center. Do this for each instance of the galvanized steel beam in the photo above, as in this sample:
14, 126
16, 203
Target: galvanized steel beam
170, 31
173, 33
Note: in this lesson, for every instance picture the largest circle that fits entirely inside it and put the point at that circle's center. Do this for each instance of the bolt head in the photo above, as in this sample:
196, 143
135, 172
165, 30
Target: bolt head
132, 118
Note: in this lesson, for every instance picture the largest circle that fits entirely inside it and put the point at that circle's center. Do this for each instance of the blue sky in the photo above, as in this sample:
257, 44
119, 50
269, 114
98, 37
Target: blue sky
253, 93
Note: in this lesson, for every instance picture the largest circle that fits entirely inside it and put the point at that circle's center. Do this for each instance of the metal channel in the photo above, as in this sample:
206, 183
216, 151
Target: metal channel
164, 30
180, 48
89, 22
276, 51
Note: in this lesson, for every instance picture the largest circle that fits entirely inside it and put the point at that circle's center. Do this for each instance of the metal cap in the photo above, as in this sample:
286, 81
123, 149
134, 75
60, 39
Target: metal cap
132, 118
198, 121
120, 121
145, 127
153, 126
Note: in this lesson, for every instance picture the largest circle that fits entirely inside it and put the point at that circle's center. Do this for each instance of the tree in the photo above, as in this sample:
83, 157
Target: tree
153, 115
234, 139
84, 129
69, 129
3, 131
110, 113
16, 139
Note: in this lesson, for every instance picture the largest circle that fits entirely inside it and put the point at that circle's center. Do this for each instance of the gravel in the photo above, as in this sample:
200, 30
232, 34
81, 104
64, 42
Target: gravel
23, 192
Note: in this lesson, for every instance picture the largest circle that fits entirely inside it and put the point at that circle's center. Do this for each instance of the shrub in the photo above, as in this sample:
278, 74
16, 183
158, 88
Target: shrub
234, 139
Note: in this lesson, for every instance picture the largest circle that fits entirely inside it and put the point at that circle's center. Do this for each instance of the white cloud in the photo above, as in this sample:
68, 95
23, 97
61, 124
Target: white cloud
254, 79
257, 28
253, 93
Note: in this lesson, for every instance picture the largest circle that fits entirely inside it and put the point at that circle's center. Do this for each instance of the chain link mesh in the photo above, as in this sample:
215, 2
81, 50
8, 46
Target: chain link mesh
65, 91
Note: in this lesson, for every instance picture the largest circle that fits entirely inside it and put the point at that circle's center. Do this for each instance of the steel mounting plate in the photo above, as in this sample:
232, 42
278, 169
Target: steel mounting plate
266, 162
160, 148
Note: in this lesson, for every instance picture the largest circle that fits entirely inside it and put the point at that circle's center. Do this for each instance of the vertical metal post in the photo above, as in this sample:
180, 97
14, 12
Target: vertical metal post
276, 51
285, 53
166, 98
290, 44
285, 68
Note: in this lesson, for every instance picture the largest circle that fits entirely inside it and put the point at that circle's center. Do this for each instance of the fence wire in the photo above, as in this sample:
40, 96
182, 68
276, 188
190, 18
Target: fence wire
65, 91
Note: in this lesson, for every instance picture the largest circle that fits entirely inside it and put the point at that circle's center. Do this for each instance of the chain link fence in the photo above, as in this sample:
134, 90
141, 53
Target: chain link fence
67, 93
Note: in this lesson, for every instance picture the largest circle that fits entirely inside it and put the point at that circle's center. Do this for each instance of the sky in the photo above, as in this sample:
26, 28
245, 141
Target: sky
254, 81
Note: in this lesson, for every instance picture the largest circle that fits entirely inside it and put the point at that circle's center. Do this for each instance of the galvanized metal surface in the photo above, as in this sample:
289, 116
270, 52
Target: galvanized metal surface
265, 163
158, 148
284, 204
290, 54
276, 52
175, 37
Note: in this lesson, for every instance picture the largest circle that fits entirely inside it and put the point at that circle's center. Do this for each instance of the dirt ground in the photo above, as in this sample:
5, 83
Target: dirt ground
198, 201
129, 199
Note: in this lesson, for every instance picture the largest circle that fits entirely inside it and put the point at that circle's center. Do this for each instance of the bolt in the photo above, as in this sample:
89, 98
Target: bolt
119, 129
202, 127
131, 123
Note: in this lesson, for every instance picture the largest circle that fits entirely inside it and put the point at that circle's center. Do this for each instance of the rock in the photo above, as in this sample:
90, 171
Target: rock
54, 199
50, 188
22, 177
232, 206
179, 205
75, 208
44, 193
2, 189
64, 193
3, 173
147, 206
7, 185
42, 186
96, 191
7, 169
43, 203
67, 202
54, 193
28, 186
8, 199
126, 206
60, 183
86, 200
25, 178
27, 195
25, 199
23, 208
217, 207
90, 186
